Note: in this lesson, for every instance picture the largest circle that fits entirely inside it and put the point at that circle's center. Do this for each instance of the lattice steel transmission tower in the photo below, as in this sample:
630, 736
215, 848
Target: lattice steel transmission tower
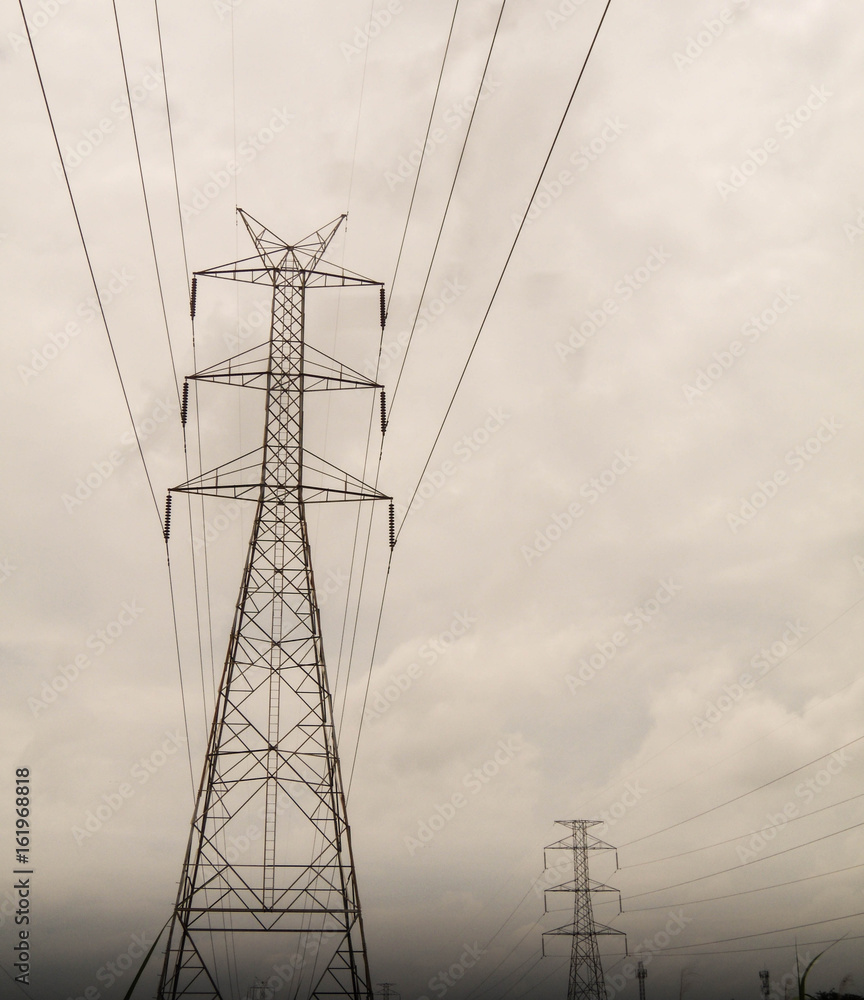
286, 908
586, 970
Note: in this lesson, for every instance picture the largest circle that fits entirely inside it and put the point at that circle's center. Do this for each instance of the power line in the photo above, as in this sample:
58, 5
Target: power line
747, 864
779, 930
108, 333
171, 143
497, 986
743, 795
751, 833
423, 152
690, 731
369, 675
476, 991
447, 206
767, 947
204, 541
146, 199
506, 264
537, 985
745, 892
90, 266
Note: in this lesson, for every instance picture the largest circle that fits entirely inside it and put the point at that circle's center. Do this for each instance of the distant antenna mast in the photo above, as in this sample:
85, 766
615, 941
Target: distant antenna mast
586, 970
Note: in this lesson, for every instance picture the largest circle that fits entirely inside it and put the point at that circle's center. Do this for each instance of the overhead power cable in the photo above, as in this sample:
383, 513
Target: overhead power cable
478, 991
690, 730
743, 795
189, 498
745, 892
780, 930
423, 151
747, 864
766, 947
113, 351
114, 358
171, 143
146, 200
506, 263
741, 836
447, 206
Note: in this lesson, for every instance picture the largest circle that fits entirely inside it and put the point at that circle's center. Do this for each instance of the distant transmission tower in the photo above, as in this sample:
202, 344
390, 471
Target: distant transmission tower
765, 983
641, 975
268, 886
586, 971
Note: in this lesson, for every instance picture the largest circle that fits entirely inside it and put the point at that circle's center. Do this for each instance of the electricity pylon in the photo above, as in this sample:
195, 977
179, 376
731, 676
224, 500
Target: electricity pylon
286, 908
586, 970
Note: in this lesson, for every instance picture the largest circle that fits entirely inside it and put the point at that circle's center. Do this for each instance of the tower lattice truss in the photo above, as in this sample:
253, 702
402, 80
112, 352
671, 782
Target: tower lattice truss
586, 971
285, 909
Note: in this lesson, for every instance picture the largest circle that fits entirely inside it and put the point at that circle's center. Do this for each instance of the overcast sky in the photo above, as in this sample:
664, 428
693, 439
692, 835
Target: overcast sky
631, 585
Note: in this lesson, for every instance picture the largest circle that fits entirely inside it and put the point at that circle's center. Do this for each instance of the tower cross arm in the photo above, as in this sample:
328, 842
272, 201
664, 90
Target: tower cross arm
256, 272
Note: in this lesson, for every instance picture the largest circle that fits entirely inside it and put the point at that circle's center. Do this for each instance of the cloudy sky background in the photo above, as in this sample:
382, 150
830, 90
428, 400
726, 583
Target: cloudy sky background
496, 549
